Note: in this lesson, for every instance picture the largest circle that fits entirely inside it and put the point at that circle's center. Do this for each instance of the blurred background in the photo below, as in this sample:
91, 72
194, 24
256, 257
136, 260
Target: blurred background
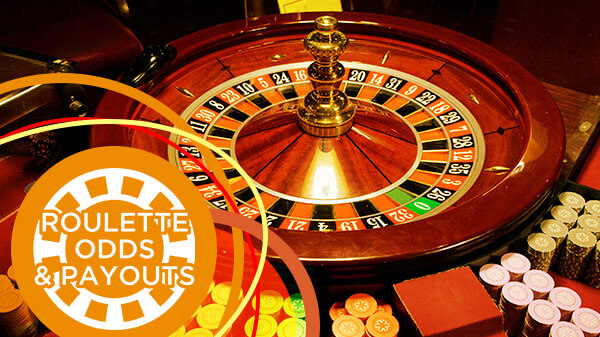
558, 41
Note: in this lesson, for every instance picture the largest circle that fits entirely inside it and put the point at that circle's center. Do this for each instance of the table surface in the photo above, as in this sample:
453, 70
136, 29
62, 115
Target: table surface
581, 114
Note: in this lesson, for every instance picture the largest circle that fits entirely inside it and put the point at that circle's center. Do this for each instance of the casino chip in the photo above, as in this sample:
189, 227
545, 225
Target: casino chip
591, 223
592, 207
220, 293
293, 306
580, 244
540, 249
361, 305
11, 275
336, 310
516, 264
540, 282
572, 200
292, 327
566, 300
348, 326
514, 299
382, 306
382, 325
587, 320
564, 214
541, 315
5, 284
493, 277
558, 231
15, 316
271, 302
267, 326
565, 329
210, 316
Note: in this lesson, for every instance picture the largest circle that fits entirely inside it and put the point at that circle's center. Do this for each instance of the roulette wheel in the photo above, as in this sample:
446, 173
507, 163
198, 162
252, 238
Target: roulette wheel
404, 144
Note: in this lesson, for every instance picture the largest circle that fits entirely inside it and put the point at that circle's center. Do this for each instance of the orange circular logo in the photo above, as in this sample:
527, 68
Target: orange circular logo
114, 241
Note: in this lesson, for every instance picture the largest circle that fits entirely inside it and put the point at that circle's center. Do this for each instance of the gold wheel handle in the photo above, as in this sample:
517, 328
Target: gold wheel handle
326, 111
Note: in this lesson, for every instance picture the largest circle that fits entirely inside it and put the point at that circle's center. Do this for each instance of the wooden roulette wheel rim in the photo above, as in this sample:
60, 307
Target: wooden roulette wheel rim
482, 218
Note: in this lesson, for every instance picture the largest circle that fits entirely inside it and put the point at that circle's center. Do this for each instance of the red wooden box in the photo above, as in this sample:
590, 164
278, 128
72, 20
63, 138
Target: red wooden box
449, 304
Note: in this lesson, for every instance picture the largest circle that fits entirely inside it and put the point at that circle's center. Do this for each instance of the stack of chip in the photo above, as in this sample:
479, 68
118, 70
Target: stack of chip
564, 214
284, 318
580, 244
572, 200
15, 316
588, 321
516, 265
565, 329
540, 282
540, 249
558, 231
514, 300
360, 315
278, 316
592, 207
591, 223
493, 276
541, 315
566, 300
11, 275
592, 276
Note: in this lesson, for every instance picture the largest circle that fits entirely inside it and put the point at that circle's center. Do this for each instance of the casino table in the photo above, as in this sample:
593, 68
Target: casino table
445, 149
451, 147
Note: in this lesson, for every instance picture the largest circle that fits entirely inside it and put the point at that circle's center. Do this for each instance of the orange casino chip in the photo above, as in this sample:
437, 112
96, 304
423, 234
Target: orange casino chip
361, 305
382, 325
336, 310
11, 274
5, 284
382, 306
